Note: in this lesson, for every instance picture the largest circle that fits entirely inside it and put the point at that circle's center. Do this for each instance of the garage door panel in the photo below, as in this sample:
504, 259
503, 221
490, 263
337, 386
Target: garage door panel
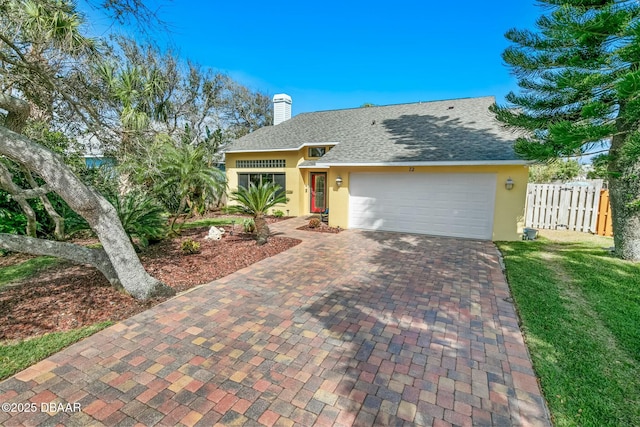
459, 205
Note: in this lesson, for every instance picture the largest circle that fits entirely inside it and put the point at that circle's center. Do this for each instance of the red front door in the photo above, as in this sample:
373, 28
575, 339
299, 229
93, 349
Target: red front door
318, 192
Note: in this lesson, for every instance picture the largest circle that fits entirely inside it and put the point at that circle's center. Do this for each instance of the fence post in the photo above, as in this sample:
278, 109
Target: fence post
593, 228
563, 209
530, 206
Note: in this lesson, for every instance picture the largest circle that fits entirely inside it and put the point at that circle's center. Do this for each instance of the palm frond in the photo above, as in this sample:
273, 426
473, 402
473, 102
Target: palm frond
141, 217
256, 200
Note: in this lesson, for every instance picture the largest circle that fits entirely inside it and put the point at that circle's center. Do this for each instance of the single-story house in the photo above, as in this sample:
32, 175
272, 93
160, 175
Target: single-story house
442, 168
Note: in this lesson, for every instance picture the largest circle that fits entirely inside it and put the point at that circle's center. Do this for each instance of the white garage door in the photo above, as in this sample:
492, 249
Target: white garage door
457, 205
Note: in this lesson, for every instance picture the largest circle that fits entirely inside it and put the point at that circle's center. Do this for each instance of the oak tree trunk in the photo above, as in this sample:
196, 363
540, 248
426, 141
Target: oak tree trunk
58, 220
95, 209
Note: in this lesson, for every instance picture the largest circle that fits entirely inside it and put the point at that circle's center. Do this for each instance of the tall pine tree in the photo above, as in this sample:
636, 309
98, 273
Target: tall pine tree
579, 75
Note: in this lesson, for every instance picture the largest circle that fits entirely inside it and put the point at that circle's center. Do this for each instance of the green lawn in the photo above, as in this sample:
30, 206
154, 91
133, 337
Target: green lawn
18, 356
580, 312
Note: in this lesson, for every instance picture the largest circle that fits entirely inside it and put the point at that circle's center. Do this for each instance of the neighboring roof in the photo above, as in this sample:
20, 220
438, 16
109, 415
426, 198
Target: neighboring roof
453, 131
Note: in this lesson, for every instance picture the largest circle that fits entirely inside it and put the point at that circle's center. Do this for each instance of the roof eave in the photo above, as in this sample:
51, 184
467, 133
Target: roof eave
269, 150
316, 166
430, 163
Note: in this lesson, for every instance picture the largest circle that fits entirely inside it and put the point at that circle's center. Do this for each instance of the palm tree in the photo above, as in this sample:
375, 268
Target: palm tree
141, 217
256, 200
187, 174
140, 95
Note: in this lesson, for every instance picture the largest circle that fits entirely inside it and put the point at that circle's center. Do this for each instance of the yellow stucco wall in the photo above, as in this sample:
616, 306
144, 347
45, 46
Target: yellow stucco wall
509, 204
296, 179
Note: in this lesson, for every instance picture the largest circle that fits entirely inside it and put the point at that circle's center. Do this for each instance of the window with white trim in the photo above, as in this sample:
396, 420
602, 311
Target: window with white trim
257, 178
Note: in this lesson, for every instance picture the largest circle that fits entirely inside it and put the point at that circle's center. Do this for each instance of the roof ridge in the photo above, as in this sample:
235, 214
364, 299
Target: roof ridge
396, 105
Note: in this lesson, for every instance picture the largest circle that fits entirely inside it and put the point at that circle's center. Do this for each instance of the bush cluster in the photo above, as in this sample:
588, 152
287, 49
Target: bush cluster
314, 223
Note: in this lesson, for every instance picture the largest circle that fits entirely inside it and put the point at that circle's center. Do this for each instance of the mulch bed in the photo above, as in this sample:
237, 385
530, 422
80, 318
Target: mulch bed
322, 228
68, 296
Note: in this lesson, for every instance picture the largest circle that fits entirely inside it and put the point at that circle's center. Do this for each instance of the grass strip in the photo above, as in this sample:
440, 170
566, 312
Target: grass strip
208, 222
21, 355
580, 312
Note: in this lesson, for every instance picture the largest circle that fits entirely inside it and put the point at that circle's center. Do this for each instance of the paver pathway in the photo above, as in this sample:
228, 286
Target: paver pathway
357, 328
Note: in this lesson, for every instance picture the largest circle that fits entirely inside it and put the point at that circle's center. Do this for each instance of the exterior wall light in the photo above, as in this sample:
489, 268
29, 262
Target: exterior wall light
508, 184
339, 181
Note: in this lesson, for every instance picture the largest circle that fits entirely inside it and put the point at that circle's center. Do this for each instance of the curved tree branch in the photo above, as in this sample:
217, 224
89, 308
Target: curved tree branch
13, 47
6, 183
75, 253
58, 220
18, 113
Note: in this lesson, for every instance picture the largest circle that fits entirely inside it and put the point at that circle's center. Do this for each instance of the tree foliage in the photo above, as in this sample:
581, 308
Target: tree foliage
599, 167
554, 170
244, 110
188, 176
579, 78
173, 120
119, 97
152, 93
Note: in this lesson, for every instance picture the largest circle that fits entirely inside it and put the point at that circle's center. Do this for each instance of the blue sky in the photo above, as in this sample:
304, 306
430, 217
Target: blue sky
341, 54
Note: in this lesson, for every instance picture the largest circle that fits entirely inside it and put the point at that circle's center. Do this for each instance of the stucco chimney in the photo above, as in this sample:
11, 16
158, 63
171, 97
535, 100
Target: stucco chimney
281, 108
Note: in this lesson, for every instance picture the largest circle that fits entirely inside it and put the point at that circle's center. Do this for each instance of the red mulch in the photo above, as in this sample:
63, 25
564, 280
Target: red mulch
67, 296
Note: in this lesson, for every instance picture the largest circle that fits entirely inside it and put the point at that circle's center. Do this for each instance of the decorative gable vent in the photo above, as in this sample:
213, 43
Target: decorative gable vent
281, 108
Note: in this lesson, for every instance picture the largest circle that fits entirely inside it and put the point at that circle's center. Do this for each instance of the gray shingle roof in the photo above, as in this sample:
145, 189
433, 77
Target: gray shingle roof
307, 164
459, 130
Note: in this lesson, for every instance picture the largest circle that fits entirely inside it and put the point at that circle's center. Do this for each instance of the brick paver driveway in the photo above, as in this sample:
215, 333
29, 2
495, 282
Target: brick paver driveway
357, 328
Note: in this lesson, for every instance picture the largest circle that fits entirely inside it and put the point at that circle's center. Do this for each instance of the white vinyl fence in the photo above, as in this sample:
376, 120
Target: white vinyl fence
563, 206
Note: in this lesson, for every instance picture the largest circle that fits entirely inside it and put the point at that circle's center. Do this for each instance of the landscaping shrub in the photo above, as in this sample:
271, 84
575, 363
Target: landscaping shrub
141, 217
189, 247
314, 223
12, 221
248, 225
278, 213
